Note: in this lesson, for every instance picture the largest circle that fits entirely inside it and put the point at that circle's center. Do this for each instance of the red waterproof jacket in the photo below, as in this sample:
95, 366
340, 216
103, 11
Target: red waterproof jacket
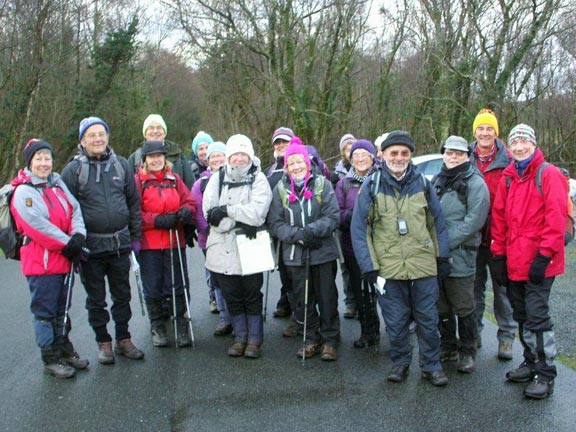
525, 221
47, 214
161, 193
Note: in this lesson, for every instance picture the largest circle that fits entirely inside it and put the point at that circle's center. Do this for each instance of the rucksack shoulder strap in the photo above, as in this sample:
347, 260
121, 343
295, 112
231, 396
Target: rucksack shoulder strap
541, 169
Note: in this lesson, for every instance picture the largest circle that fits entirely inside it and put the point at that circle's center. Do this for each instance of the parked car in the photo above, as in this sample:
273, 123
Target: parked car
429, 164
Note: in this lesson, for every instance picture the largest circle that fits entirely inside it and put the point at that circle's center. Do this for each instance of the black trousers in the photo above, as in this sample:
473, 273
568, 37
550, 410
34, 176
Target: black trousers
323, 321
243, 294
94, 273
365, 298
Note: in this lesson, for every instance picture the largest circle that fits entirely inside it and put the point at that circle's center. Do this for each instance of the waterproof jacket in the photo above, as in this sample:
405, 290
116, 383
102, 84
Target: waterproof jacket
180, 163
199, 219
47, 214
247, 200
110, 204
378, 244
464, 220
525, 221
196, 166
320, 213
161, 193
492, 174
275, 172
346, 193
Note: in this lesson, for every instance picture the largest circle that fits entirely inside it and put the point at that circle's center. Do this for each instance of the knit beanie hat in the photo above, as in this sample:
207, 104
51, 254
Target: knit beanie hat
239, 144
363, 144
154, 119
302, 151
486, 117
33, 146
455, 142
522, 131
282, 133
201, 137
91, 121
398, 137
296, 141
216, 146
345, 139
152, 147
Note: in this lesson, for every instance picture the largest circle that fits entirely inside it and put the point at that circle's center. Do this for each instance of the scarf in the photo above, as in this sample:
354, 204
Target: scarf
447, 177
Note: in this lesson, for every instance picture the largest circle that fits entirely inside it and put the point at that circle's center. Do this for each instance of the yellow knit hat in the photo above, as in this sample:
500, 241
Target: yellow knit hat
486, 117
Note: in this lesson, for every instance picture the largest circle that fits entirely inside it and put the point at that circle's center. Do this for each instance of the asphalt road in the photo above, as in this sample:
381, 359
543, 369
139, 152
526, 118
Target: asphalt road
204, 390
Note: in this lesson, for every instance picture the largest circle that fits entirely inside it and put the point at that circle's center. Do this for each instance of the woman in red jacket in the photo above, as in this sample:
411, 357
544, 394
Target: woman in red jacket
166, 205
49, 217
528, 223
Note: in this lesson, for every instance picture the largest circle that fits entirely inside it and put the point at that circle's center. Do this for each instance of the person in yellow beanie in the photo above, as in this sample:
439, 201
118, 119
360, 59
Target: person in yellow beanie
489, 154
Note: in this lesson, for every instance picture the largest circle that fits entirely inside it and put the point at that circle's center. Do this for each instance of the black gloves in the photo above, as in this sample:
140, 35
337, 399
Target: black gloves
537, 272
216, 214
184, 216
248, 230
166, 221
371, 277
190, 234
443, 266
500, 270
309, 241
73, 249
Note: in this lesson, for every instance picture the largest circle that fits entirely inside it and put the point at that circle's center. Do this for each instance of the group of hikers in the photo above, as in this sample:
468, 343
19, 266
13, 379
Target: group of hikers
422, 249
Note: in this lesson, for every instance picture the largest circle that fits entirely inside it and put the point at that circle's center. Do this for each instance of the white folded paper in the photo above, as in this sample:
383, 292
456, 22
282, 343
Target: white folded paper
255, 254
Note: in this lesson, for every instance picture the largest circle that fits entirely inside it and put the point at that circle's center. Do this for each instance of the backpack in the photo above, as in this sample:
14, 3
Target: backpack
318, 189
84, 169
10, 239
569, 228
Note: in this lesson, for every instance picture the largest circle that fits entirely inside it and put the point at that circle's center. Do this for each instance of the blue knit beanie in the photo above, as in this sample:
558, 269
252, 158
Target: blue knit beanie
216, 146
201, 137
91, 121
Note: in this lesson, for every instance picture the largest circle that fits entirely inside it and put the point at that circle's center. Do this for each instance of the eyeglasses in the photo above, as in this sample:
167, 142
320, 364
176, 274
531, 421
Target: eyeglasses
93, 135
396, 153
357, 155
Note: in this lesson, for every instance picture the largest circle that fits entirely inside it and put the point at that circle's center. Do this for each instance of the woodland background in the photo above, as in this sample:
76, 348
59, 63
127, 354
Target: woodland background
322, 67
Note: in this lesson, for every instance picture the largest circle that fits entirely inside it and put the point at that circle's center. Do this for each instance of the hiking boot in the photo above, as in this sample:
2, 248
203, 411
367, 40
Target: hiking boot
223, 329
522, 374
436, 378
282, 312
184, 339
105, 354
59, 369
309, 350
467, 364
505, 351
350, 313
292, 330
252, 351
126, 348
366, 341
237, 349
213, 307
75, 361
539, 388
159, 336
328, 353
398, 373
448, 356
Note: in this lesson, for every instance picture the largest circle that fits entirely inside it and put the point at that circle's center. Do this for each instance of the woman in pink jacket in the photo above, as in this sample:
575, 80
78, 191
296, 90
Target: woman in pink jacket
49, 217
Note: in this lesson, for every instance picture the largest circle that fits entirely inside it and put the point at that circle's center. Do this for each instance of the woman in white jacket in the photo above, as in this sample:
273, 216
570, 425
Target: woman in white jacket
236, 201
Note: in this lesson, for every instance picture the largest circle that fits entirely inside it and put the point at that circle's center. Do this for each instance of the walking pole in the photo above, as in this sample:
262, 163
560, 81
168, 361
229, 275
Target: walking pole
185, 287
307, 271
68, 297
266, 295
173, 289
135, 267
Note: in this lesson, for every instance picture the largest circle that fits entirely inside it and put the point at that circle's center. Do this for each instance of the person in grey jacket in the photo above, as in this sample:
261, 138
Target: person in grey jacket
235, 201
304, 215
465, 201
103, 184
